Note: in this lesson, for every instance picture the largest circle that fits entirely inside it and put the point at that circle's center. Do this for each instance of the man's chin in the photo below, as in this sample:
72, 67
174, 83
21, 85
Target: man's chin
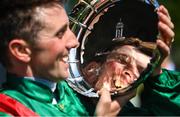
64, 76
60, 77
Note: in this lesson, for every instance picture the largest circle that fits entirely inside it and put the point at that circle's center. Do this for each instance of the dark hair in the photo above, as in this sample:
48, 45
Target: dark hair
18, 20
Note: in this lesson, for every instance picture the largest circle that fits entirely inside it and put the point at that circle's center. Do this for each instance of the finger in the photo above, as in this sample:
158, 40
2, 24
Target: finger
115, 107
164, 49
105, 87
164, 11
163, 18
104, 103
166, 33
118, 103
105, 97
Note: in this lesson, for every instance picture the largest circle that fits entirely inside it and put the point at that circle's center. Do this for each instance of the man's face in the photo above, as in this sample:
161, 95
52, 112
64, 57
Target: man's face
50, 55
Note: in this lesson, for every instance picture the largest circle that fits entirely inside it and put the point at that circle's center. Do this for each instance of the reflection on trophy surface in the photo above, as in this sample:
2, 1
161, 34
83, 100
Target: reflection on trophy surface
117, 45
122, 65
121, 68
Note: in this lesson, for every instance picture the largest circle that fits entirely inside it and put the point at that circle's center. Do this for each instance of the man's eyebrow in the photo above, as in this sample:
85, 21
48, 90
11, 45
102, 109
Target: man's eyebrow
62, 29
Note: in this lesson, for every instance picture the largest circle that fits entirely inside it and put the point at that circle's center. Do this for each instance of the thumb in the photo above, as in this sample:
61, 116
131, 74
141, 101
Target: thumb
105, 96
104, 102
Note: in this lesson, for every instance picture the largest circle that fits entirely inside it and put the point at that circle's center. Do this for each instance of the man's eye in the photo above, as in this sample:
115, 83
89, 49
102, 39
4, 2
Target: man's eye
60, 35
121, 58
124, 59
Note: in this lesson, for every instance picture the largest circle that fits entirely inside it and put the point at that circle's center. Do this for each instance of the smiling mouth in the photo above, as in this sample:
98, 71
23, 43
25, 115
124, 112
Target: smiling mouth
65, 59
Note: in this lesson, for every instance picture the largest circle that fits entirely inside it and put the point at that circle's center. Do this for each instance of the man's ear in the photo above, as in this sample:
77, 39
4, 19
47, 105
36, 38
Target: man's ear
20, 50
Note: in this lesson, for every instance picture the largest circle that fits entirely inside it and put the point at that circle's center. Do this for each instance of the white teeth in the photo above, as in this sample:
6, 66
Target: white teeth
65, 59
73, 61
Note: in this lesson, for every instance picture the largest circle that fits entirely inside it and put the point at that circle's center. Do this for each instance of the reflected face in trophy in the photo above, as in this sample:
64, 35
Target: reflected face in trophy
127, 27
122, 67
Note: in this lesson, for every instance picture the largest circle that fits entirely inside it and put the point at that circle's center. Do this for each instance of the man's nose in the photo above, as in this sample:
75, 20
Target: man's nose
72, 42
